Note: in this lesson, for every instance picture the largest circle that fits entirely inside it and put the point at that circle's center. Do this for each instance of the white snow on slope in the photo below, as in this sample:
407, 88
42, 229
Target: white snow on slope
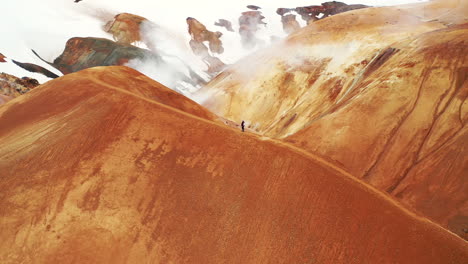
46, 25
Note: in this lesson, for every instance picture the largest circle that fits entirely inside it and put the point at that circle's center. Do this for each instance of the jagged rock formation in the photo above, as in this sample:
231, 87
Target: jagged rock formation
12, 86
372, 91
314, 13
200, 34
36, 68
248, 26
224, 23
290, 23
31, 67
112, 173
253, 7
214, 64
83, 53
125, 28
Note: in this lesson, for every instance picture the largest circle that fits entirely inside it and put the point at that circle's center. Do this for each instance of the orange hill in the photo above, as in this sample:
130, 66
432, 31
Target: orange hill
100, 167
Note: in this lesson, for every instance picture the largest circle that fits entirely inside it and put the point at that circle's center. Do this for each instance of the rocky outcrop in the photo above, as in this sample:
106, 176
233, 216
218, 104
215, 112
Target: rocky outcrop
214, 64
290, 23
316, 12
382, 96
200, 34
12, 86
83, 53
95, 169
224, 23
2, 58
36, 68
253, 7
248, 27
125, 28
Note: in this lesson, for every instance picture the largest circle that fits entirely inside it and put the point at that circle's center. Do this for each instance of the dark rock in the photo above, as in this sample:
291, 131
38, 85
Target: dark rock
224, 23
83, 53
253, 7
312, 13
36, 68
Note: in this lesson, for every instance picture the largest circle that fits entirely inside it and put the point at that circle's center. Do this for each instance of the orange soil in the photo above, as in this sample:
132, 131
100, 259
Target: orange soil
93, 170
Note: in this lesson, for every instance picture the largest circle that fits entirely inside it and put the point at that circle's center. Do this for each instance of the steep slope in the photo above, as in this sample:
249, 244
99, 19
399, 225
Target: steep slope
281, 89
404, 127
93, 173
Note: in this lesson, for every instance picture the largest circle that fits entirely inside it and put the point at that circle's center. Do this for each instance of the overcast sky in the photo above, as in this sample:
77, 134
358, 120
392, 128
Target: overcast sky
45, 25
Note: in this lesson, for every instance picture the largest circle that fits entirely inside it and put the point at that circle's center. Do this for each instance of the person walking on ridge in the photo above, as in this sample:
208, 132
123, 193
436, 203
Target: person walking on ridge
243, 125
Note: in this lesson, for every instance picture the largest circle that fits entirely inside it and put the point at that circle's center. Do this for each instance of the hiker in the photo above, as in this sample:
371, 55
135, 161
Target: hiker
243, 125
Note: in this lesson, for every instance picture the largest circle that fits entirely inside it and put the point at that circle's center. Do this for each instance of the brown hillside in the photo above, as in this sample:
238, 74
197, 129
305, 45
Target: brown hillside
91, 171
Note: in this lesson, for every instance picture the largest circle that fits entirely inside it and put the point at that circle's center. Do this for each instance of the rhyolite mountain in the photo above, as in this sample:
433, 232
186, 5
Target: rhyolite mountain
107, 166
380, 92
355, 149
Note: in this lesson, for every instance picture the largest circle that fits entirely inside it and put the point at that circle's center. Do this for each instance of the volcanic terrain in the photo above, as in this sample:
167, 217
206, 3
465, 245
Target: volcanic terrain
107, 166
355, 149
385, 99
